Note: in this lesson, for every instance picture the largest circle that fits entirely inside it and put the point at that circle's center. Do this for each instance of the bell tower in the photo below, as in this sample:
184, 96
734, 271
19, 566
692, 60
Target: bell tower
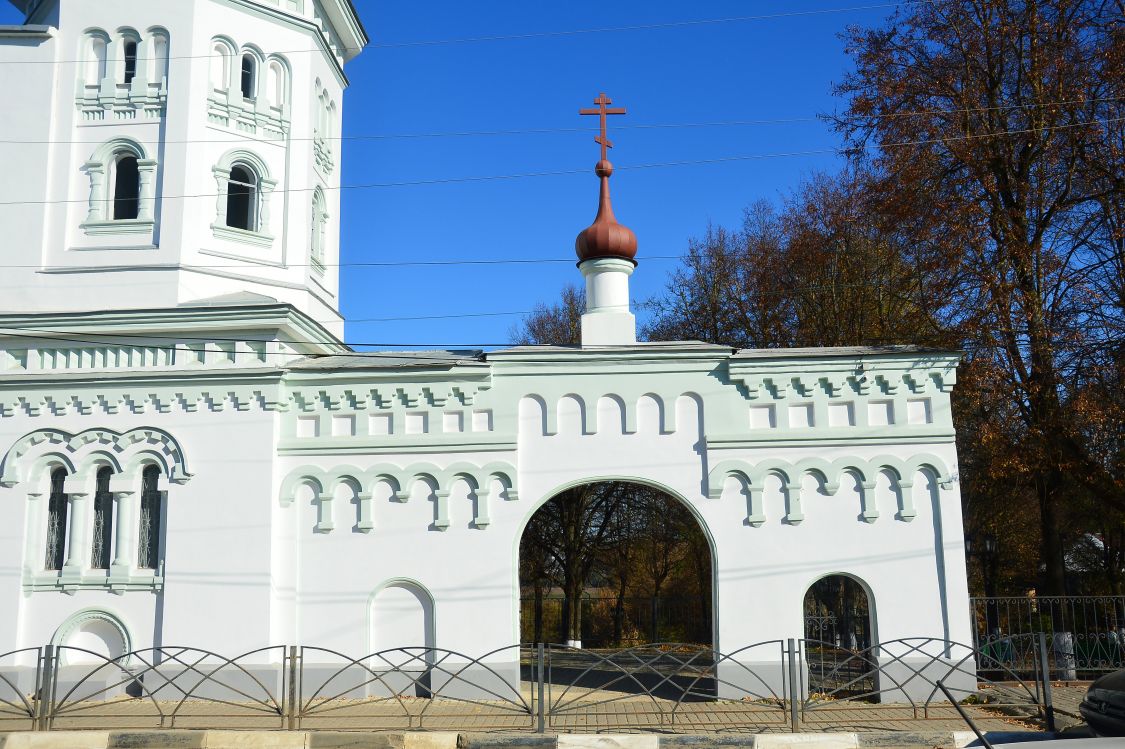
174, 153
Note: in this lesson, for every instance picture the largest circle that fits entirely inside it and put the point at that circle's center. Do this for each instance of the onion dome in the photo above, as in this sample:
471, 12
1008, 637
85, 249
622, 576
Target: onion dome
605, 238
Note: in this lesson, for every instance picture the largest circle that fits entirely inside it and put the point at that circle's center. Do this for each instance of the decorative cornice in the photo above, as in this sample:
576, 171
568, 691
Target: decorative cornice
14, 468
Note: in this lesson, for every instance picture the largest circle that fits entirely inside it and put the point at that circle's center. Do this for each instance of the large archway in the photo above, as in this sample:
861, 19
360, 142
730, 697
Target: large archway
609, 564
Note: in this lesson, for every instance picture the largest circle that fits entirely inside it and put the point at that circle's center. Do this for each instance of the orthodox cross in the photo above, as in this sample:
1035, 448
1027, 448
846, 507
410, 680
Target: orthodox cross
603, 109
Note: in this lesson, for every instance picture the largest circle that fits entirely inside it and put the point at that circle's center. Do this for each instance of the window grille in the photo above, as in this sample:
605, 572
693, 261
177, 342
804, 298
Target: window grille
149, 550
56, 522
103, 522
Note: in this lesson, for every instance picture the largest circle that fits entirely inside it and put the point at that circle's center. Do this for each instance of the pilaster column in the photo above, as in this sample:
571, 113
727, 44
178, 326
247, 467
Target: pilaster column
146, 173
96, 171
139, 86
267, 186
78, 551
35, 525
234, 81
222, 184
125, 521
108, 83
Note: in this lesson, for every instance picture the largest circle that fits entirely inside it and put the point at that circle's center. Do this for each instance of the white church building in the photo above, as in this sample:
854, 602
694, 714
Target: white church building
190, 454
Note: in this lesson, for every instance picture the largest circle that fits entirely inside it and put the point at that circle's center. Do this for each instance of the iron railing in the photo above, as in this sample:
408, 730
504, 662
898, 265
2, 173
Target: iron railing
1085, 634
772, 685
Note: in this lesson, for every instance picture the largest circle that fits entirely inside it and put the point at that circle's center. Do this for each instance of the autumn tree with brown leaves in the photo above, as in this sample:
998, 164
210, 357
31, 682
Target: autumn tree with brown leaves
981, 208
994, 128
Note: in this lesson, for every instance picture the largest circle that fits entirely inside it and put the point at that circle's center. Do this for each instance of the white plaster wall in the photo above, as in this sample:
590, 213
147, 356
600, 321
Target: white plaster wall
216, 592
466, 569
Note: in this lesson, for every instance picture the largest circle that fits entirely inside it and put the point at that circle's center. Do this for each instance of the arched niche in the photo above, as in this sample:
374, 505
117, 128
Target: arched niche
402, 619
92, 636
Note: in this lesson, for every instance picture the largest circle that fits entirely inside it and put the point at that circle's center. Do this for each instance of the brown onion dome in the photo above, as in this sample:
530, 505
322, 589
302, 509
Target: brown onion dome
605, 237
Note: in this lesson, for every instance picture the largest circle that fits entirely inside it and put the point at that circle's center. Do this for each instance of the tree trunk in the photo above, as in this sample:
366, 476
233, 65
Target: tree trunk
573, 594
1050, 541
619, 614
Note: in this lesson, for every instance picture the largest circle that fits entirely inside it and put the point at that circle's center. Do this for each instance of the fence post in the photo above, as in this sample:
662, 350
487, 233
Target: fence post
540, 678
794, 715
292, 709
45, 690
1045, 675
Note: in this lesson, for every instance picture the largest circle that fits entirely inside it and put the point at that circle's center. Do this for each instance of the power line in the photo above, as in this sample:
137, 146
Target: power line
658, 165
105, 337
392, 263
568, 130
537, 34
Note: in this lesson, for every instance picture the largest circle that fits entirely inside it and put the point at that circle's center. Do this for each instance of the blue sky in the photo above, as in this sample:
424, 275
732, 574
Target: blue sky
779, 68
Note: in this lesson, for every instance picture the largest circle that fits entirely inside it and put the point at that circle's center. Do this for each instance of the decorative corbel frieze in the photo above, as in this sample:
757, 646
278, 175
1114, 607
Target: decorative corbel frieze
870, 512
795, 513
757, 515
366, 522
441, 509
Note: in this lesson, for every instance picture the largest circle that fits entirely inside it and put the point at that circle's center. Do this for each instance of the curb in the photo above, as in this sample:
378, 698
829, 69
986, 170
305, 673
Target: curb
217, 739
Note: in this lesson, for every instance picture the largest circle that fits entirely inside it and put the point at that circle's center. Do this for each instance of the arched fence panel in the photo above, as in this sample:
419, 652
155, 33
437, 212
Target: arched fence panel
165, 687
412, 688
905, 678
776, 685
20, 678
666, 686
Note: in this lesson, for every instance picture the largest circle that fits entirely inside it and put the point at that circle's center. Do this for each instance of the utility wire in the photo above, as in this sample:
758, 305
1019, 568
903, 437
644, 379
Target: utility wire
387, 264
565, 130
108, 337
539, 34
658, 165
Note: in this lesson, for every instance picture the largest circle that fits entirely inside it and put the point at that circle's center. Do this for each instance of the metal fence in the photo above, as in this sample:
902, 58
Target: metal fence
1085, 634
774, 685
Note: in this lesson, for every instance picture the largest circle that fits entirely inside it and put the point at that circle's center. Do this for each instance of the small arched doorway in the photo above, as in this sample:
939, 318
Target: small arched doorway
838, 611
610, 564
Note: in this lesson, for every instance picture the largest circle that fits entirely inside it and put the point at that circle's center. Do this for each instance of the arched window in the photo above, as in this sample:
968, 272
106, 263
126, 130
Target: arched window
95, 58
220, 66
56, 522
319, 219
277, 87
242, 198
148, 550
130, 50
100, 553
242, 206
122, 189
249, 76
159, 57
126, 187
